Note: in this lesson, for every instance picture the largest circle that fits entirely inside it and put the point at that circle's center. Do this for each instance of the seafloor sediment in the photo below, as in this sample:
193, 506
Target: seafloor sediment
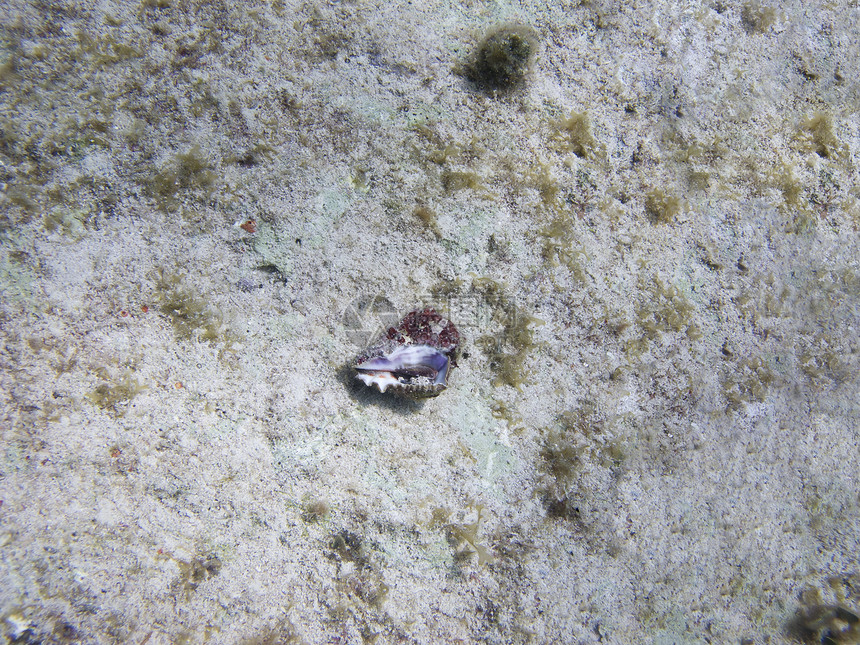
642, 217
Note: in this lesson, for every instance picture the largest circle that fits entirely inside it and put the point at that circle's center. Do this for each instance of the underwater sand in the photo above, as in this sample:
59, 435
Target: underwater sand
649, 245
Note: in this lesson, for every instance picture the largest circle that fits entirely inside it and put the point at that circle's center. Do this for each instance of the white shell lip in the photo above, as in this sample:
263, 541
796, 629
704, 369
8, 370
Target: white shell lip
415, 369
381, 379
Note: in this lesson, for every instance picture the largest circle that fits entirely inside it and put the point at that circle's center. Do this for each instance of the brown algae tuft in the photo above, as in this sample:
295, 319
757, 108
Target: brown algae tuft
503, 58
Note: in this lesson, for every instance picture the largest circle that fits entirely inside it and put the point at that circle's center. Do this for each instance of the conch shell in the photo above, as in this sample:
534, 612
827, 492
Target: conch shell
413, 358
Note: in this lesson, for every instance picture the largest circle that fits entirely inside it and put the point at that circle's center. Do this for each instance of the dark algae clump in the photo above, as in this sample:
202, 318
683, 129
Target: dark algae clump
503, 58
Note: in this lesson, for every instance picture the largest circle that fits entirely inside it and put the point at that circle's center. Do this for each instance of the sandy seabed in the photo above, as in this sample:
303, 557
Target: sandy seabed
648, 242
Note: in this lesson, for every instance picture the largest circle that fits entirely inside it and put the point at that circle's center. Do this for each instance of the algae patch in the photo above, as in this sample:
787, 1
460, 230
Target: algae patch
661, 207
115, 396
575, 134
192, 316
503, 58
